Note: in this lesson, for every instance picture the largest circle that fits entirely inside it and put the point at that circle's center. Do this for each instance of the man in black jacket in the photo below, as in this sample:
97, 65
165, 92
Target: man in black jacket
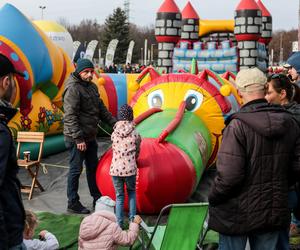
260, 150
83, 109
12, 215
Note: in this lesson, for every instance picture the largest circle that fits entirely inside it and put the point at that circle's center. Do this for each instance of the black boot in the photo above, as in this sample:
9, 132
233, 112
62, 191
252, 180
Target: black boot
77, 208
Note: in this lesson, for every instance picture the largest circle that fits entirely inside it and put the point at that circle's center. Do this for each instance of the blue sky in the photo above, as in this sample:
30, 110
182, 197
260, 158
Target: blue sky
285, 13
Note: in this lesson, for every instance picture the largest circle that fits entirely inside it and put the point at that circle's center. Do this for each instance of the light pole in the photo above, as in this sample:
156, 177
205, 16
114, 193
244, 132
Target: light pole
145, 51
281, 50
42, 8
142, 49
152, 52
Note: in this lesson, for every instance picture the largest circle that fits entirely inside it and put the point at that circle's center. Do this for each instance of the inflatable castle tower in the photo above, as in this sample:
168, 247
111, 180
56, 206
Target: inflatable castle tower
167, 32
252, 31
218, 45
189, 24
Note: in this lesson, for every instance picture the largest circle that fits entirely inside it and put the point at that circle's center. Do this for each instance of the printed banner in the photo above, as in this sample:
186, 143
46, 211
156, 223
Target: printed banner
76, 45
110, 53
129, 53
90, 50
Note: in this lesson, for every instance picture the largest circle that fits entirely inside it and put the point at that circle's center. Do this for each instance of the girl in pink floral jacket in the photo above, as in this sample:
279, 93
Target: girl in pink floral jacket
125, 145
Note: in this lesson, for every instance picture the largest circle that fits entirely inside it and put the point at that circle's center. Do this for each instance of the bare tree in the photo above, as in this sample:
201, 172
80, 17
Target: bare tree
64, 22
288, 37
139, 34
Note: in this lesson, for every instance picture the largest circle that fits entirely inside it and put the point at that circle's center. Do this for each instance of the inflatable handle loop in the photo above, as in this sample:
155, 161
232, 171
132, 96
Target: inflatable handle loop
153, 74
146, 114
173, 124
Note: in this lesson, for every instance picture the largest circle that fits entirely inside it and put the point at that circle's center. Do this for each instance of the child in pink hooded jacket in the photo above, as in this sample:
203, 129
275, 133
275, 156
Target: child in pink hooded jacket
101, 231
123, 169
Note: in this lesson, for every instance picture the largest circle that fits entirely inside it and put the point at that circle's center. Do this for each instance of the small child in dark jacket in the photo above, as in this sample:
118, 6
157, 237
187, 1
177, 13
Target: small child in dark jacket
125, 146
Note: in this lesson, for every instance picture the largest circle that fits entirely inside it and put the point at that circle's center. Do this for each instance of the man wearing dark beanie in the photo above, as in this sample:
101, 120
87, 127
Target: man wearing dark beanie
83, 109
12, 213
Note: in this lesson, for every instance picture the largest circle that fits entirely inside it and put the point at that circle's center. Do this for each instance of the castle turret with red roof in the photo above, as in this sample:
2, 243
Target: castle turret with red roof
189, 24
247, 30
167, 32
266, 33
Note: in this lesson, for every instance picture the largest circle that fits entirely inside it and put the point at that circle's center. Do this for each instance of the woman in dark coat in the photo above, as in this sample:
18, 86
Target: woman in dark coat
280, 90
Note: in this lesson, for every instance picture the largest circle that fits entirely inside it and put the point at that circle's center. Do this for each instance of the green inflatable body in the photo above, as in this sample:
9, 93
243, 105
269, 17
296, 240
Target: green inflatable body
184, 135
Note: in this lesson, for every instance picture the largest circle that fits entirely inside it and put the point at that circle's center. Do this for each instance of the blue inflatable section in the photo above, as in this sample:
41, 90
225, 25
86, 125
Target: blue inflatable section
219, 59
32, 45
262, 57
121, 87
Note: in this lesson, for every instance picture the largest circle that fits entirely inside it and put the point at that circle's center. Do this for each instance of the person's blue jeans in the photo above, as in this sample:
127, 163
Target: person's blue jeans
18, 247
283, 239
293, 202
76, 161
120, 196
259, 241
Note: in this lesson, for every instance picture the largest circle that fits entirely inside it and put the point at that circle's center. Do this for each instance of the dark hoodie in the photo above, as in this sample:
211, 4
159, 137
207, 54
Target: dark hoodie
294, 109
260, 148
12, 215
83, 109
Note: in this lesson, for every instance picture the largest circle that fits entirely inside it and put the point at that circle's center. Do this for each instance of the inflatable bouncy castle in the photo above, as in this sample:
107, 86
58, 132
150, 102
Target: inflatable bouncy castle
218, 45
58, 35
180, 118
46, 67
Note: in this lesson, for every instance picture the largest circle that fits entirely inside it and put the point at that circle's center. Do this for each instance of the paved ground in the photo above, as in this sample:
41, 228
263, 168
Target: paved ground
53, 199
55, 183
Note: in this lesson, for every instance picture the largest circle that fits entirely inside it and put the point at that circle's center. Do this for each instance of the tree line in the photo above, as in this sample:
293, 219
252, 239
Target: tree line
116, 26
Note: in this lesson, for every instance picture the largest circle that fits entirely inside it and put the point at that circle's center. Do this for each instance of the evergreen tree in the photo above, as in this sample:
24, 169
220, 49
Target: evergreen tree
117, 27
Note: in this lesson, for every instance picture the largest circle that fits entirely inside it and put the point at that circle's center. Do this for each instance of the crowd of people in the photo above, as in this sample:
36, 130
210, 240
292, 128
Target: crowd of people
121, 69
254, 192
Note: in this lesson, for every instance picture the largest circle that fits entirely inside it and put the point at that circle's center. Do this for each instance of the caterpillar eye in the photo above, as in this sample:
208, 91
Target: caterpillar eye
193, 100
156, 99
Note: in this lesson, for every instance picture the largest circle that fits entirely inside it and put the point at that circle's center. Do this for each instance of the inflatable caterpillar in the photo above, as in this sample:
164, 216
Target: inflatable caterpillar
180, 118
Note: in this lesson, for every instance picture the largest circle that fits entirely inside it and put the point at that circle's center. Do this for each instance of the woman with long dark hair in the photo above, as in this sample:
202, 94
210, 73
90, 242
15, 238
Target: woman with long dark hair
280, 90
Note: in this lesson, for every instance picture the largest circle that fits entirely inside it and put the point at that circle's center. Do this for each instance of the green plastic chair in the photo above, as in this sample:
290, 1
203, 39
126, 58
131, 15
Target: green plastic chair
182, 231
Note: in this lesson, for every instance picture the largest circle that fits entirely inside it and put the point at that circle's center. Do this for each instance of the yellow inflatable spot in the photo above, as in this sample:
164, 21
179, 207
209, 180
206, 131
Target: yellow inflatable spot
214, 26
44, 117
225, 90
133, 86
101, 81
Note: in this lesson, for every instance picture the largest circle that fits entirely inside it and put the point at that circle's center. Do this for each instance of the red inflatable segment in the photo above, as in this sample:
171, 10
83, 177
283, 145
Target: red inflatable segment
165, 175
247, 5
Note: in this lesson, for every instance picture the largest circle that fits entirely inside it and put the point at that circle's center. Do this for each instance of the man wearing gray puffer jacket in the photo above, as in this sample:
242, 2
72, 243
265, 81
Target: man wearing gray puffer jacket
83, 109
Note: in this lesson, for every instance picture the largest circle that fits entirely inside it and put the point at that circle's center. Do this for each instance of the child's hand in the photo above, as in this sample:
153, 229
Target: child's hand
42, 234
137, 219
